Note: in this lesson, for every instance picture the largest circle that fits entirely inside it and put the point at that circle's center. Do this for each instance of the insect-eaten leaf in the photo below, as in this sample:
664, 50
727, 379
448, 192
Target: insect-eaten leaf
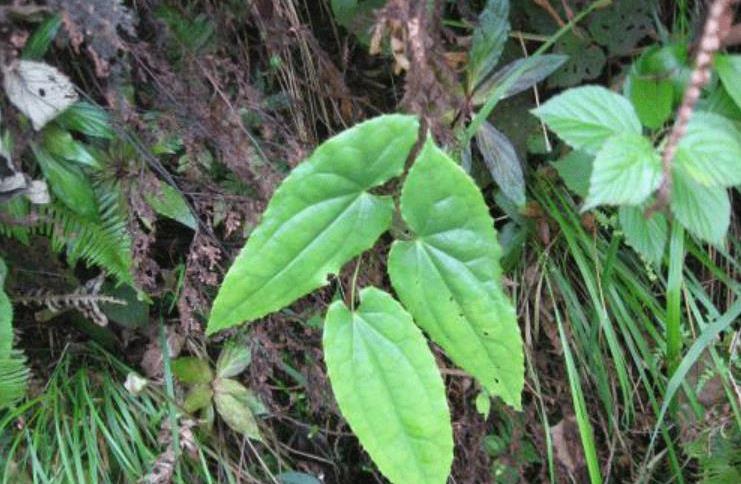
320, 217
39, 91
389, 389
448, 275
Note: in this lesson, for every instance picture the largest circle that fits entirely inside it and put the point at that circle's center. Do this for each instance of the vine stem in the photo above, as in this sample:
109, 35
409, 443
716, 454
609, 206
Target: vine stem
717, 27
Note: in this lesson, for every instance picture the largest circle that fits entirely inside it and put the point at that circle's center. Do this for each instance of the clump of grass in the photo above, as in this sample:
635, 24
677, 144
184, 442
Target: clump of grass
614, 313
84, 426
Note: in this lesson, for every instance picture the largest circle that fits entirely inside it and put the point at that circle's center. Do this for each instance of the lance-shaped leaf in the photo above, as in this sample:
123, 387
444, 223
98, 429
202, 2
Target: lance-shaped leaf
488, 40
535, 69
320, 217
501, 159
389, 389
448, 275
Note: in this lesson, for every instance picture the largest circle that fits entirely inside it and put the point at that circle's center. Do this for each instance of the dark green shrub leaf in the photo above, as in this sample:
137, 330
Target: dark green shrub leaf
501, 160
585, 61
6, 316
233, 360
586, 116
135, 313
191, 370
448, 276
729, 71
626, 171
576, 169
622, 25
704, 211
651, 98
320, 217
231, 399
710, 151
388, 387
488, 40
647, 236
69, 183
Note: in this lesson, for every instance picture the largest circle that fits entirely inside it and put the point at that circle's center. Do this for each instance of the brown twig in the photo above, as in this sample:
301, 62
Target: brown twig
717, 27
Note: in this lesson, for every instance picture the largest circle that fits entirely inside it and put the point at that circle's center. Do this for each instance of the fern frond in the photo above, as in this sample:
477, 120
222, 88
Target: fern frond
105, 243
13, 378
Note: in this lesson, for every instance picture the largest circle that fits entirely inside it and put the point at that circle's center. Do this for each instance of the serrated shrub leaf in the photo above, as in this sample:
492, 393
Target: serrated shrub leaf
575, 169
647, 236
704, 211
488, 40
320, 217
710, 151
448, 276
501, 160
626, 171
729, 71
389, 389
585, 117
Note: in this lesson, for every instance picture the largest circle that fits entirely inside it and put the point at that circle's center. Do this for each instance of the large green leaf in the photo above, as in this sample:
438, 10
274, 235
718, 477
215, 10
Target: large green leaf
586, 116
320, 217
647, 236
448, 276
488, 40
389, 389
710, 151
704, 211
626, 171
729, 71
69, 183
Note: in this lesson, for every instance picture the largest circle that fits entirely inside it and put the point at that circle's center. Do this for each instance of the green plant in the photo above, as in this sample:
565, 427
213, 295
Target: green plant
444, 269
13, 370
210, 389
627, 170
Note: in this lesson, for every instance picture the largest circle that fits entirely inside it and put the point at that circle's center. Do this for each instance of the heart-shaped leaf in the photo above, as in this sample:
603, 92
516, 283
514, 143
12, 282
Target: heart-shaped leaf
320, 217
389, 389
448, 276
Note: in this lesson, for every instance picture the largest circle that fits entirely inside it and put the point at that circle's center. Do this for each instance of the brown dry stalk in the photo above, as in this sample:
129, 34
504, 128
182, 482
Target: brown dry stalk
717, 27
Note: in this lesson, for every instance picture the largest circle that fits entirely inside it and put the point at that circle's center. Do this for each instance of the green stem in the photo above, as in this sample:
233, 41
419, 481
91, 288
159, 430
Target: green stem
499, 91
